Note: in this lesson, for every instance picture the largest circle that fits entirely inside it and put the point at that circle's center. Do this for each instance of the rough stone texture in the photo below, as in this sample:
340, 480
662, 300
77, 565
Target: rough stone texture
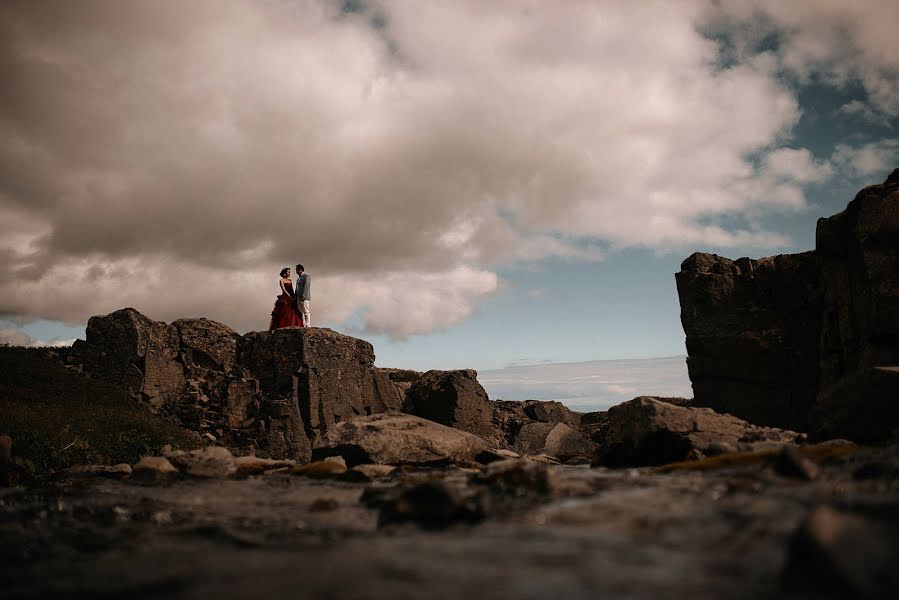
858, 261
550, 411
724, 533
211, 462
454, 399
768, 338
395, 438
509, 417
208, 344
286, 435
330, 376
135, 352
863, 407
555, 439
402, 380
752, 331
645, 431
154, 467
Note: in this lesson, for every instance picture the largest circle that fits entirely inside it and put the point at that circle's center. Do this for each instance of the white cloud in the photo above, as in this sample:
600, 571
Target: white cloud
868, 159
172, 156
838, 41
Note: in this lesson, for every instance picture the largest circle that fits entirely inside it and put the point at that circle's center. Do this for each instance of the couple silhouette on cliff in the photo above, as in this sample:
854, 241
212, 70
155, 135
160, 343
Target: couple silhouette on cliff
292, 306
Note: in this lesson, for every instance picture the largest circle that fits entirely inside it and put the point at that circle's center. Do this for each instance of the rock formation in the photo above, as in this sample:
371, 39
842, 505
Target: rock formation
394, 438
277, 392
768, 338
454, 399
646, 431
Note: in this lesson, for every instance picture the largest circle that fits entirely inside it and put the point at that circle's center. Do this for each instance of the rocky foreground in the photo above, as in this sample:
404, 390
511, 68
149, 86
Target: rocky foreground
776, 525
321, 475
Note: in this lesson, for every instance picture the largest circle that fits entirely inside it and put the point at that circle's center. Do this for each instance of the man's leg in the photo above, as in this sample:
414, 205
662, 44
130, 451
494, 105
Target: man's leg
307, 317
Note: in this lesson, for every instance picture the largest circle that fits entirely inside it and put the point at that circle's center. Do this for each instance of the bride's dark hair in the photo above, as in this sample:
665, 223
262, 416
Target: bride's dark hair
284, 271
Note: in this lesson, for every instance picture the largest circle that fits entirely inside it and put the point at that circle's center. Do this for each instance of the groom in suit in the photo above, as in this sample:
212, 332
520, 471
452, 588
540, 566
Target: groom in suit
303, 296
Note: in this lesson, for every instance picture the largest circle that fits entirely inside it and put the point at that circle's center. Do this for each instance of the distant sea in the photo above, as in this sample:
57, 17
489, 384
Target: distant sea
592, 385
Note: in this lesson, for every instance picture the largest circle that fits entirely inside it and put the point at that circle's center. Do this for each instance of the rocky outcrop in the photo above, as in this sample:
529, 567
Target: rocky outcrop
752, 335
454, 399
330, 376
863, 407
857, 255
395, 438
646, 431
767, 338
278, 392
137, 353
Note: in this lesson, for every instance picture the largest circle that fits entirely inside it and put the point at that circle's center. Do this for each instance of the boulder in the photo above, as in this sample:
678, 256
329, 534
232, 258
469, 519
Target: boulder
454, 399
330, 376
395, 438
555, 439
154, 467
210, 462
139, 354
551, 411
208, 344
646, 431
863, 407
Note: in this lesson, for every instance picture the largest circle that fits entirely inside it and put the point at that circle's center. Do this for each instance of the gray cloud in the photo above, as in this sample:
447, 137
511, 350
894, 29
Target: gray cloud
173, 156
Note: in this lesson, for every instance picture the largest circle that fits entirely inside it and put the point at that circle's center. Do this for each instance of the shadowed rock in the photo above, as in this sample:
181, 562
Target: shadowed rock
766, 338
139, 354
330, 376
835, 554
454, 399
646, 431
208, 344
863, 407
210, 462
555, 439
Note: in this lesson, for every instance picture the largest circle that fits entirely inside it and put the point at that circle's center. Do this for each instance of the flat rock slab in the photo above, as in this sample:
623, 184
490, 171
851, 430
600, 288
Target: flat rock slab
395, 438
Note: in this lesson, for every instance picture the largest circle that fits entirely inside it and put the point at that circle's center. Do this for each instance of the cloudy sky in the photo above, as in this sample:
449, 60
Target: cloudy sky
469, 183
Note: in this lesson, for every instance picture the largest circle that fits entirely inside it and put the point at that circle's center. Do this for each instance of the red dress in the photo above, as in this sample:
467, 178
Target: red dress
285, 313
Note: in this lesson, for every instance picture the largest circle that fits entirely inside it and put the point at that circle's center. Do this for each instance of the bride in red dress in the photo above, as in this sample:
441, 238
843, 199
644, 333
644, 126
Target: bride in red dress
285, 313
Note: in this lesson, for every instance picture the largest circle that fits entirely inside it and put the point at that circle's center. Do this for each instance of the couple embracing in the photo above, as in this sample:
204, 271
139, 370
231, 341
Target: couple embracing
292, 307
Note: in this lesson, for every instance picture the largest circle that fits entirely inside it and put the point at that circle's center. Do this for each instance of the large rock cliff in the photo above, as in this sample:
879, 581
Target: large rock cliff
767, 339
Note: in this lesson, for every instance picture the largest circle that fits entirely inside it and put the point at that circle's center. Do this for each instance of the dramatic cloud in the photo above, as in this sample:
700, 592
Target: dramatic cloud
172, 156
838, 42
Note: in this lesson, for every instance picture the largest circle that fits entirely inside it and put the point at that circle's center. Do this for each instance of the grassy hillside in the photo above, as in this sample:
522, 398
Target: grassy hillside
59, 418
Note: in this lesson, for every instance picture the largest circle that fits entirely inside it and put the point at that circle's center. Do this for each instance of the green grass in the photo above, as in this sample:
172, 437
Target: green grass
59, 418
